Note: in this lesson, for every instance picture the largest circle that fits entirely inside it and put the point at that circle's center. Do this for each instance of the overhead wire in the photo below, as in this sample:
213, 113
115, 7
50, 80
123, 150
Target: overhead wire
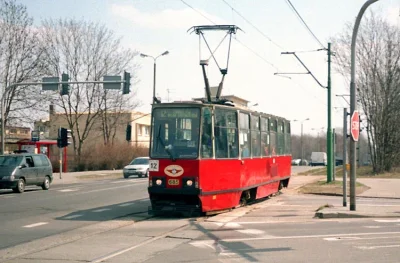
304, 22
254, 52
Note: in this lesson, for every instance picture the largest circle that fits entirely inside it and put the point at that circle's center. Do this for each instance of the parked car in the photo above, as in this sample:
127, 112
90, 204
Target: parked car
139, 166
20, 170
296, 162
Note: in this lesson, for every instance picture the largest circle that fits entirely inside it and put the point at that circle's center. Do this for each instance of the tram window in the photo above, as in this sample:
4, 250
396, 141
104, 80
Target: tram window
272, 137
288, 141
206, 141
274, 125
265, 151
255, 122
256, 143
244, 135
226, 143
281, 138
264, 124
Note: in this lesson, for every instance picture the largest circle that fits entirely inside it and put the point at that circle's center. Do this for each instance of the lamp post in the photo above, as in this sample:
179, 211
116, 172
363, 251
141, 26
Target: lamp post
155, 100
301, 138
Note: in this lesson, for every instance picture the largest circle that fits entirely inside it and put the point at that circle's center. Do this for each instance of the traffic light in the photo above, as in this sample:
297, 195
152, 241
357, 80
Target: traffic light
128, 132
63, 137
64, 86
127, 83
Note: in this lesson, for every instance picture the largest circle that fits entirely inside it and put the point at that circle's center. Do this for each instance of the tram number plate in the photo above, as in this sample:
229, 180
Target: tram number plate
173, 181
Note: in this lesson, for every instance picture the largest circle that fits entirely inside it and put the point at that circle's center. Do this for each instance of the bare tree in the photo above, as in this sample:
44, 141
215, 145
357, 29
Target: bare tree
87, 52
20, 56
378, 84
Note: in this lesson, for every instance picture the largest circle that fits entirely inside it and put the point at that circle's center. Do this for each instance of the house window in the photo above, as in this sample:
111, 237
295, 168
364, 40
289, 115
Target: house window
13, 131
146, 130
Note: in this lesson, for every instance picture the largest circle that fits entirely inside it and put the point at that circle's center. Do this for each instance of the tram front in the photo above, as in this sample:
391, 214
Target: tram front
174, 164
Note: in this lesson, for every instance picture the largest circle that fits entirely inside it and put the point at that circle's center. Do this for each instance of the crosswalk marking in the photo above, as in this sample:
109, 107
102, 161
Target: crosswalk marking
101, 210
72, 216
36, 224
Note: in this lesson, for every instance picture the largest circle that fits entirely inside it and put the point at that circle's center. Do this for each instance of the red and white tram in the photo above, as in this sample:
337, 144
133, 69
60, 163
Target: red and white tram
210, 157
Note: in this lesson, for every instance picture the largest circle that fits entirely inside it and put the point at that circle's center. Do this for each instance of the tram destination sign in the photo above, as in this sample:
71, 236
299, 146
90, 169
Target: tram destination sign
179, 113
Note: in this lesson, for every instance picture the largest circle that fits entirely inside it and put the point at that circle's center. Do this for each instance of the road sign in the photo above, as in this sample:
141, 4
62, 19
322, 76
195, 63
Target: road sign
355, 126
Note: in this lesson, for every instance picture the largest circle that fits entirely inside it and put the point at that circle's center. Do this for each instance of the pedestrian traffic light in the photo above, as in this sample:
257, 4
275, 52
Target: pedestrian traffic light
63, 137
128, 132
127, 83
64, 86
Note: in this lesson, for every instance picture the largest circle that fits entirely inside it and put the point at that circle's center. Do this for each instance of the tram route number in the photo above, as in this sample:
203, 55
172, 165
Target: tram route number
153, 165
173, 181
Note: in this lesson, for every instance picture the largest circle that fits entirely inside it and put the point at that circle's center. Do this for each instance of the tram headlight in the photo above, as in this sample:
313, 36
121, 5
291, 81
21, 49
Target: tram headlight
158, 182
189, 182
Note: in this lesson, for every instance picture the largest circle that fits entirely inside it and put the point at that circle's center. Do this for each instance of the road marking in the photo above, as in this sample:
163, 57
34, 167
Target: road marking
372, 226
37, 224
72, 216
129, 181
341, 238
251, 231
387, 220
304, 237
376, 247
127, 204
68, 190
145, 200
101, 210
228, 225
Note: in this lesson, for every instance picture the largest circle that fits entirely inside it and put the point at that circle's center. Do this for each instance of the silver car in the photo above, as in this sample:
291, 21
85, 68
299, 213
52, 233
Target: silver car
139, 166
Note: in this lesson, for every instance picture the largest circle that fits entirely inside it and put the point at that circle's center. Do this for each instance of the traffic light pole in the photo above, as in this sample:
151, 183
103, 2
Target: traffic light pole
6, 88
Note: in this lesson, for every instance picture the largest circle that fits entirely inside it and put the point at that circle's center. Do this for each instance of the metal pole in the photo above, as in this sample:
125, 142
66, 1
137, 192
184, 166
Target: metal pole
353, 105
154, 83
2, 120
59, 136
334, 155
345, 157
329, 132
301, 139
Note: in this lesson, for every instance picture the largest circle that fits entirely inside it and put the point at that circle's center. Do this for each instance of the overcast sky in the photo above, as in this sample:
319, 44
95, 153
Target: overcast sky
269, 27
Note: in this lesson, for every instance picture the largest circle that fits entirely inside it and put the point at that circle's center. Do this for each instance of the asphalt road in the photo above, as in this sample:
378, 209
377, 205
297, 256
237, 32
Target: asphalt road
37, 213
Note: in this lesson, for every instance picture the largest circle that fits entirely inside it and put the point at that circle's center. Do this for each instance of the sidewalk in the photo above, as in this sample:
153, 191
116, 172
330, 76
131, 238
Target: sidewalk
379, 188
78, 177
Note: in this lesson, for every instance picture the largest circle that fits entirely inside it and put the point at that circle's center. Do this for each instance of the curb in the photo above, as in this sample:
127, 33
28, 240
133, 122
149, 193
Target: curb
322, 215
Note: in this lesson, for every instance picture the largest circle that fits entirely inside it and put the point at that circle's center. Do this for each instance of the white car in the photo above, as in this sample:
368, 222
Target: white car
139, 166
296, 162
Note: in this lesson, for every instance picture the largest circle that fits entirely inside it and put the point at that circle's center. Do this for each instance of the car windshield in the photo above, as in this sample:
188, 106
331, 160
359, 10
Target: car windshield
140, 161
175, 133
10, 160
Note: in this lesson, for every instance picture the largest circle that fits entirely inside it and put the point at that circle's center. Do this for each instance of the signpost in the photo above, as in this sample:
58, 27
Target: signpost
355, 126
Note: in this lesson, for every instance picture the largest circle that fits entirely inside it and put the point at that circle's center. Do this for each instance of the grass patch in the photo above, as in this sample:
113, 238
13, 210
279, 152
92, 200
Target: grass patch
362, 172
332, 188
100, 176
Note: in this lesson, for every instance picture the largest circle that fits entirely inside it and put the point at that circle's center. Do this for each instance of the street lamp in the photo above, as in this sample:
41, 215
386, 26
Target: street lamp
301, 138
155, 100
318, 131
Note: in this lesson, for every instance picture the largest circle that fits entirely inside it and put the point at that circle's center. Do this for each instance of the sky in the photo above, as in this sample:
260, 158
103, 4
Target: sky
268, 28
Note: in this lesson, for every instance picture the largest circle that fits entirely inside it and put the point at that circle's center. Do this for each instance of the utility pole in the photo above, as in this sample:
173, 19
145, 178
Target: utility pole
329, 142
329, 132
353, 105
345, 156
334, 155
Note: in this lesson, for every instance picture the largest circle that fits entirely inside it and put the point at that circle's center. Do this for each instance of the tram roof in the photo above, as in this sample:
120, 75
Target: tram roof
227, 106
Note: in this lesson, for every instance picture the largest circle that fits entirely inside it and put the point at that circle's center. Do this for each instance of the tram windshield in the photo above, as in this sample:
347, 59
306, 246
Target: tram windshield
175, 133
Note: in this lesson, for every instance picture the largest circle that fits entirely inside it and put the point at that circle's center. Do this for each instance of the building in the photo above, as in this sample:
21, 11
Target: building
14, 134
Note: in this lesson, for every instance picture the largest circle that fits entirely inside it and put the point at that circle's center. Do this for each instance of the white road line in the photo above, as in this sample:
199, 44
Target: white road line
145, 200
373, 226
101, 210
37, 224
229, 225
72, 216
387, 220
68, 190
305, 237
376, 247
250, 231
127, 204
